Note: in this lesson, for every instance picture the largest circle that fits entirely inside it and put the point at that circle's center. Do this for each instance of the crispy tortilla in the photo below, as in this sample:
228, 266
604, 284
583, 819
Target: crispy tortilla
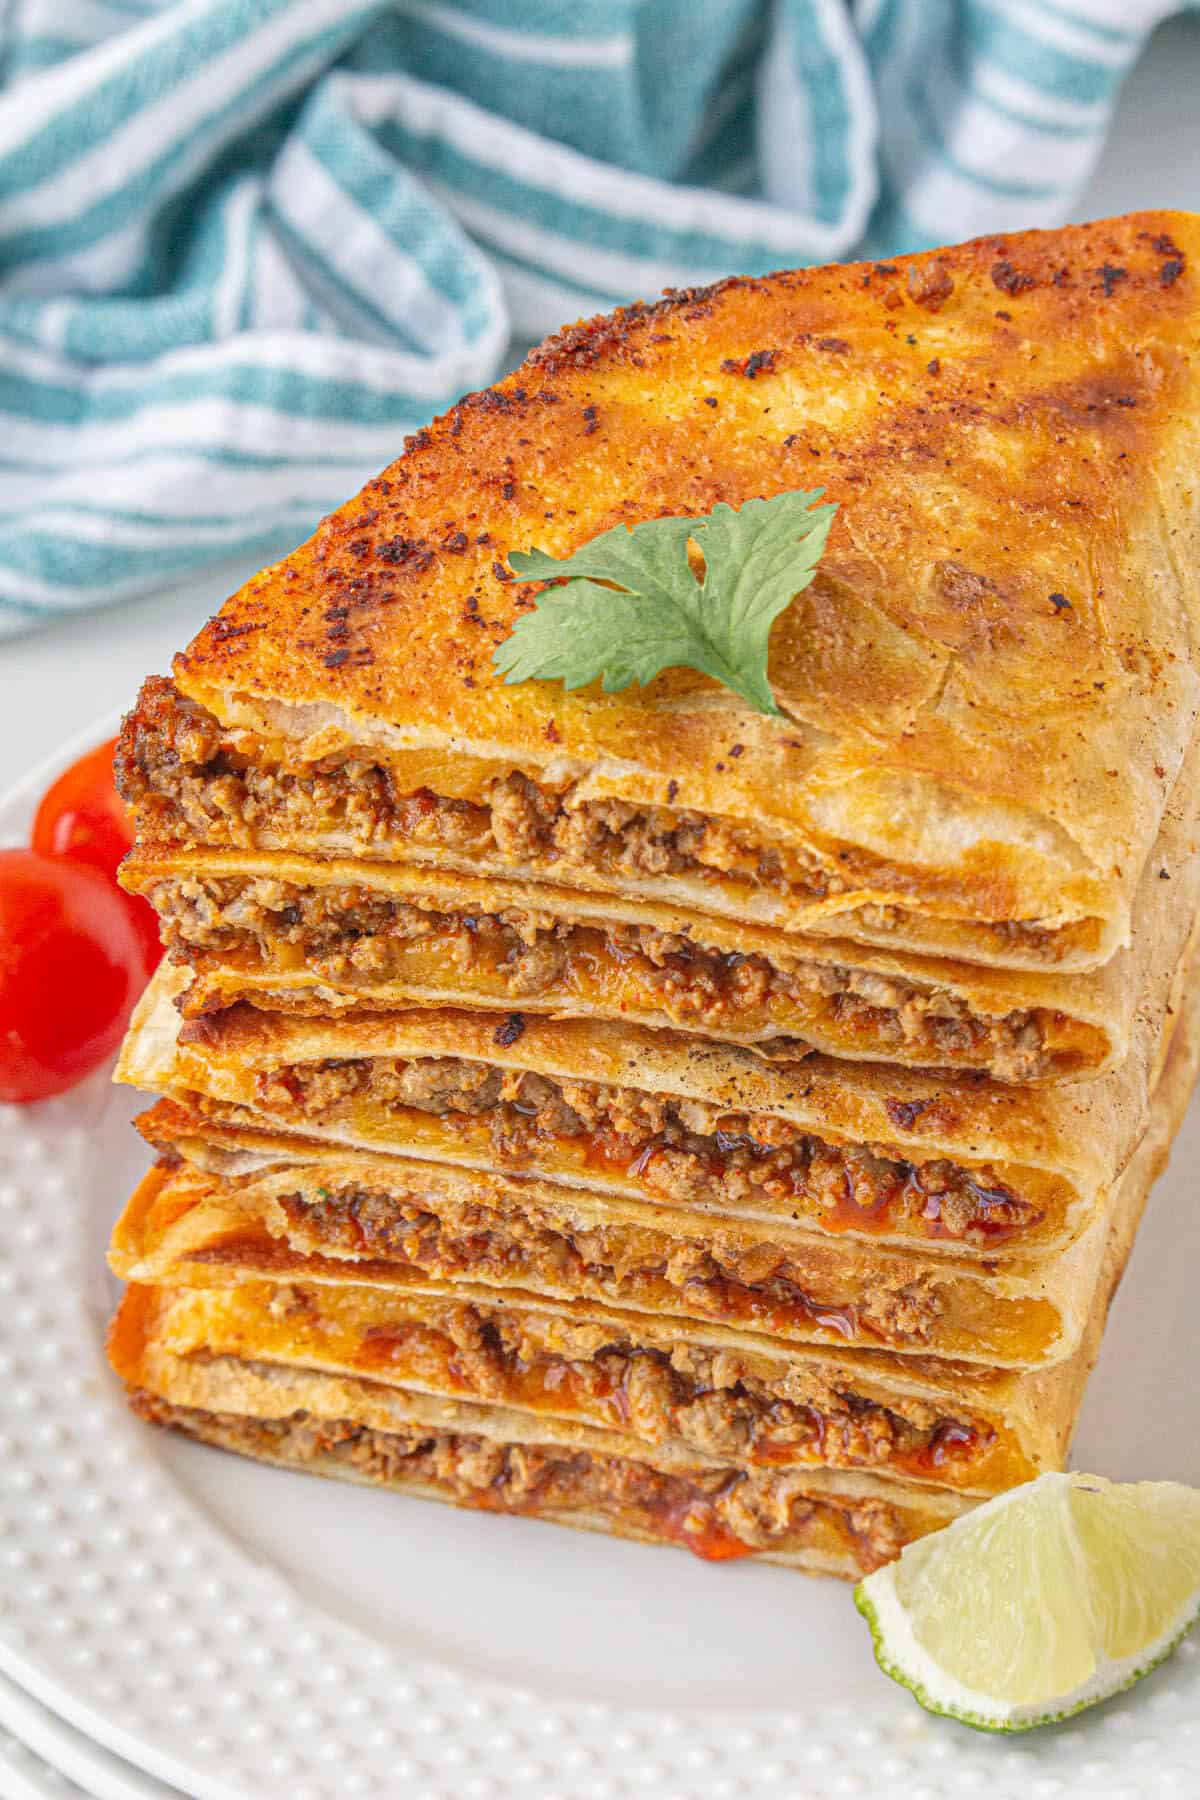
823, 1521
305, 1212
890, 1156
438, 1445
174, 1348
706, 1388
323, 937
986, 694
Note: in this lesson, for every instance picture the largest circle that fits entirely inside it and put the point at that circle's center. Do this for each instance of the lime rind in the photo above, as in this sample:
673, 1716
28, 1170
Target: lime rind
901, 1658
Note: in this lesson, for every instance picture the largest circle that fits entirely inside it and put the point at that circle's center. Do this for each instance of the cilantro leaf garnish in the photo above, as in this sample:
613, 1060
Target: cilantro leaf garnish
627, 605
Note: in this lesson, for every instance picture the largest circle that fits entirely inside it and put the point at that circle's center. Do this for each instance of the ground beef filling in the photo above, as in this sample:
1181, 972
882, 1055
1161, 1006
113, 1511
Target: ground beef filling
356, 937
683, 1152
755, 1284
188, 780
713, 1401
717, 1513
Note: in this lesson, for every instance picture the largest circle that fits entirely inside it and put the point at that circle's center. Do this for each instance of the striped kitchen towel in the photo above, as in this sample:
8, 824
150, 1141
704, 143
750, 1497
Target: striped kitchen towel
245, 245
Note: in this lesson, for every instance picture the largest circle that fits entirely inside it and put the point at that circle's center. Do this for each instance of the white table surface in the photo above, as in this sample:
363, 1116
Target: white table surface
55, 680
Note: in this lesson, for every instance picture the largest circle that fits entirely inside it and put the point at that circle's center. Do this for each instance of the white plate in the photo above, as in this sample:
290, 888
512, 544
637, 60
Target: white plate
241, 1632
24, 1776
40, 1754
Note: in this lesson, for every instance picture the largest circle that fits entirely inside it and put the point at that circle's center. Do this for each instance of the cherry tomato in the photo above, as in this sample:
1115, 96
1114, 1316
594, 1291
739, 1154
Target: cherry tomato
82, 817
71, 967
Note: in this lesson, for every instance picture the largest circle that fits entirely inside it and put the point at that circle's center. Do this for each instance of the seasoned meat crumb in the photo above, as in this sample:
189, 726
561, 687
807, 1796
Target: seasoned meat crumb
720, 1402
187, 781
717, 1275
717, 1512
356, 937
683, 1152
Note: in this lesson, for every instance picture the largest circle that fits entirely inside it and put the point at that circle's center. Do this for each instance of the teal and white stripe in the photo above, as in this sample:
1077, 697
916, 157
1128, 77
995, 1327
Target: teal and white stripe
246, 245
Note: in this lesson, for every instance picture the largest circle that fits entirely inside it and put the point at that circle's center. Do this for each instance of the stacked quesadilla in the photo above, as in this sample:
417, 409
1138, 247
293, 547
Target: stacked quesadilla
638, 1109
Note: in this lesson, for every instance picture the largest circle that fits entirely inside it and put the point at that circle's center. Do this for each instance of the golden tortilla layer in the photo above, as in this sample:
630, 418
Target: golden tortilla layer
339, 1221
320, 937
862, 1151
276, 1370
987, 692
820, 1521
248, 1205
725, 1395
707, 1389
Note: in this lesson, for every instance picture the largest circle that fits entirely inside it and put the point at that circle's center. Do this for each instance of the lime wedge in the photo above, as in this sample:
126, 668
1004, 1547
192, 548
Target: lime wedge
1043, 1601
